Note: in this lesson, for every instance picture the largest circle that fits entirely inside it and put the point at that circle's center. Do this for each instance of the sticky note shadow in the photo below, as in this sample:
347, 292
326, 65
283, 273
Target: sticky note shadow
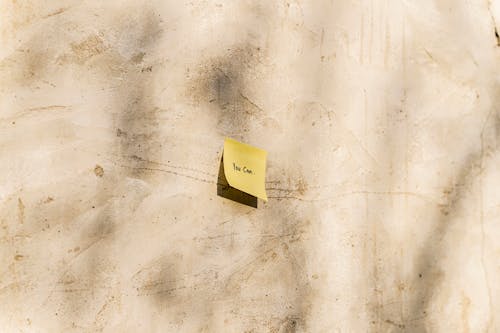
226, 191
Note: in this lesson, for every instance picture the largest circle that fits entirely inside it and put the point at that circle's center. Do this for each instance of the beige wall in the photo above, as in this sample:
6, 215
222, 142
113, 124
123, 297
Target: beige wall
382, 126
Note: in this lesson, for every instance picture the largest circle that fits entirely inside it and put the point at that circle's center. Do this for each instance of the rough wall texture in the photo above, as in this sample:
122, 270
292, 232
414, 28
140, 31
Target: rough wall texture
382, 124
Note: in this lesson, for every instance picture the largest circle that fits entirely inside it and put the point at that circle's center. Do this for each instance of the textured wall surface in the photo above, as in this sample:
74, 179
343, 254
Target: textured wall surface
382, 123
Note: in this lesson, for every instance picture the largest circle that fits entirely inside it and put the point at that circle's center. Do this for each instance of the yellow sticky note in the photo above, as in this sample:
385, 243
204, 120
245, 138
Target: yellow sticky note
245, 168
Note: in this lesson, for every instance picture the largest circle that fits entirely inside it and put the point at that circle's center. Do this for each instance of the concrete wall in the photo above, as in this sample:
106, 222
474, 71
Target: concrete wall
382, 126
